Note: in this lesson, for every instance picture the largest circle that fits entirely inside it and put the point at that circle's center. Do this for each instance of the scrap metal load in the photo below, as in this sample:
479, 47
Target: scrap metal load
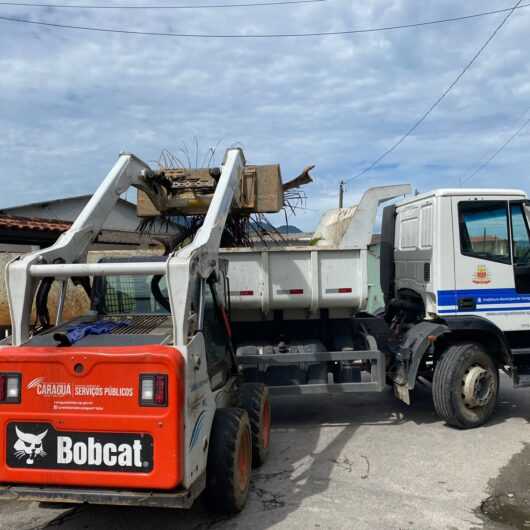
257, 189
185, 191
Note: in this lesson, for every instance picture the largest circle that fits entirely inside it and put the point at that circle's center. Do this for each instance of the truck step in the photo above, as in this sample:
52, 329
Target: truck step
521, 381
337, 388
521, 369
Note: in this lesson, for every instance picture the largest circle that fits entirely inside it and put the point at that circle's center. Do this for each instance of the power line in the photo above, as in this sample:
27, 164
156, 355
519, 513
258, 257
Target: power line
264, 35
129, 6
424, 116
497, 152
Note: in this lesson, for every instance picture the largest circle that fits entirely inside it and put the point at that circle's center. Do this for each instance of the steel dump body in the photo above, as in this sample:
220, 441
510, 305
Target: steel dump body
294, 308
306, 278
292, 312
331, 273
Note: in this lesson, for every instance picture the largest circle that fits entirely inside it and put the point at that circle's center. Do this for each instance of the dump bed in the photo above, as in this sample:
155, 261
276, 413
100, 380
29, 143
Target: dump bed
330, 273
307, 278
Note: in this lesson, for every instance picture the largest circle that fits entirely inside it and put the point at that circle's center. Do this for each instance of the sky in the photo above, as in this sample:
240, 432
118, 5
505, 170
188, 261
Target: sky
71, 100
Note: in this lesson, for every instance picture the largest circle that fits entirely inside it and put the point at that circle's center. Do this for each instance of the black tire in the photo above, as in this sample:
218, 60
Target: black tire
254, 398
461, 397
229, 461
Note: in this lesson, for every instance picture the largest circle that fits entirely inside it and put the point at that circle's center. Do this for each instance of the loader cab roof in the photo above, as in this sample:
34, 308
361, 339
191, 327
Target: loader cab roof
465, 192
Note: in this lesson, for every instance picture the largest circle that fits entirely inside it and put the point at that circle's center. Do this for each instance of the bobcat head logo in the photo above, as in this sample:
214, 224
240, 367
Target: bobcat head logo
29, 446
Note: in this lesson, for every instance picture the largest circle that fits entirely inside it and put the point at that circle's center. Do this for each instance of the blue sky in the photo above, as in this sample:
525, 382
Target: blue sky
71, 100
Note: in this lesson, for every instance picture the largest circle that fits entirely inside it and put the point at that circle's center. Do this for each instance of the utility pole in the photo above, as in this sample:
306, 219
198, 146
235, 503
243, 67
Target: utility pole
341, 194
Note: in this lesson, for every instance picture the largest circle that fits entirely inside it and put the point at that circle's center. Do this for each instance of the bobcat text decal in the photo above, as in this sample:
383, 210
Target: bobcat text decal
41, 446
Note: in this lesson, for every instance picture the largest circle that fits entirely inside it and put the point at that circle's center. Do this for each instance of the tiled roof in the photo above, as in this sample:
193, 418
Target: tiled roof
12, 222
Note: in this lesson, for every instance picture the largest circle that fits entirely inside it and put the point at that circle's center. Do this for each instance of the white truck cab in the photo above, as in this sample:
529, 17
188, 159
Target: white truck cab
466, 252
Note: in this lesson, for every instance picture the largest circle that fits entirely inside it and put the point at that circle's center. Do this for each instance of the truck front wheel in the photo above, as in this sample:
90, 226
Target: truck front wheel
465, 385
229, 461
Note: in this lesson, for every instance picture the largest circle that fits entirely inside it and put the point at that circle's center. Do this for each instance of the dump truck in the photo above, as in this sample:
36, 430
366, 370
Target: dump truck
455, 273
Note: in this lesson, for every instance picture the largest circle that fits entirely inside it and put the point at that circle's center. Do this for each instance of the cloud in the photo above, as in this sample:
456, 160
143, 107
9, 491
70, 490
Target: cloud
72, 100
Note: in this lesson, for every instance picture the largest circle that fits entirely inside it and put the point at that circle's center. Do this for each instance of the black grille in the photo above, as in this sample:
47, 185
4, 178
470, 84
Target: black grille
141, 324
426, 272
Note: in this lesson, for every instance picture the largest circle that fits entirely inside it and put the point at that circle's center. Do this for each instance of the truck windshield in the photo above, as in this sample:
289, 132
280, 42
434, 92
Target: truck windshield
131, 295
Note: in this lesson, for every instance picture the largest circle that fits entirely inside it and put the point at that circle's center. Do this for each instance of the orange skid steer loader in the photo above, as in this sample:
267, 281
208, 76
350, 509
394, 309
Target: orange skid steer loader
140, 401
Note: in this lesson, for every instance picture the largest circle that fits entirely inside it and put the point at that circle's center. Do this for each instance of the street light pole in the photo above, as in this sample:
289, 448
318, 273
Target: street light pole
341, 194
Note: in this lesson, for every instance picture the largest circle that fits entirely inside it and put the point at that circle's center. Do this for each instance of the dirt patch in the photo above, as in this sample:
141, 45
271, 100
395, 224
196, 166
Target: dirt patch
509, 502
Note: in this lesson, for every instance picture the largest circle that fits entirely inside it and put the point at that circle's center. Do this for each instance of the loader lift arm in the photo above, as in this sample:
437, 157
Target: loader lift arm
67, 257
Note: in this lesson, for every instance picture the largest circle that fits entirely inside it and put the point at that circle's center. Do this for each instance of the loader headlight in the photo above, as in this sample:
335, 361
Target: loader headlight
10, 388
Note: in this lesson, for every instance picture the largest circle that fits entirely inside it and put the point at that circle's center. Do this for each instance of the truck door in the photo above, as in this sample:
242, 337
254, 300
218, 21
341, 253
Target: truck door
484, 275
520, 246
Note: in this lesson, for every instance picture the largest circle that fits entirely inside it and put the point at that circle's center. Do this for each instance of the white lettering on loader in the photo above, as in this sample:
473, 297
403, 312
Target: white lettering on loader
96, 454
64, 450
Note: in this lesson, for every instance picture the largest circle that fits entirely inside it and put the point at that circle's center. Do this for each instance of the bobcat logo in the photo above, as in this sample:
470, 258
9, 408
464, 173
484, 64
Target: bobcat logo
29, 446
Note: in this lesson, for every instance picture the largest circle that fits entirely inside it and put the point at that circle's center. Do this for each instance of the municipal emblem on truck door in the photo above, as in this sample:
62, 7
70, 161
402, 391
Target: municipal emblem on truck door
481, 275
29, 446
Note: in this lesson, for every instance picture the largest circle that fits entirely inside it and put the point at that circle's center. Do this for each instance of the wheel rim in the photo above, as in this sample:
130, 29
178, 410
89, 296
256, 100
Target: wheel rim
244, 459
266, 424
478, 387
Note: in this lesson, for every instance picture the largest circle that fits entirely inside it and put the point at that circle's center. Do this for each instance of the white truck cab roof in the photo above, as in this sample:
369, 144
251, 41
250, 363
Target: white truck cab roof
459, 192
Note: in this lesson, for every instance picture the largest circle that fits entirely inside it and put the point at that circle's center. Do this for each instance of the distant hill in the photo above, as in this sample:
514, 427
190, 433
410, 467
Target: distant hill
288, 229
282, 229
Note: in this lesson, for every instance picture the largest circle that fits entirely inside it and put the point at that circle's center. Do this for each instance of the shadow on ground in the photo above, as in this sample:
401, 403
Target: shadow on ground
309, 436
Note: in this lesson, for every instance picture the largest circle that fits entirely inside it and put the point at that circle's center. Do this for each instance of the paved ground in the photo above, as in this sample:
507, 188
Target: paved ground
358, 461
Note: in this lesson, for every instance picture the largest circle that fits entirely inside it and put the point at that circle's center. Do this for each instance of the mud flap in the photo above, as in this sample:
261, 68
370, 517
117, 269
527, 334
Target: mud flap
402, 393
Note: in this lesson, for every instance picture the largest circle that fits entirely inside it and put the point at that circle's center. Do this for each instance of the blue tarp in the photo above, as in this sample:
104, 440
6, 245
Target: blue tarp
80, 331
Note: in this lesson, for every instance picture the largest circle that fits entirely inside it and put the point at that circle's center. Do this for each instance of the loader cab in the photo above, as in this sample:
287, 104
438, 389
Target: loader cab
466, 253
214, 324
148, 296
130, 294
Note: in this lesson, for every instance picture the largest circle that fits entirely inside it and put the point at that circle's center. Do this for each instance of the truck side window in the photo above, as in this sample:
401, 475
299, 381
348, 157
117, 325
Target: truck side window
484, 230
521, 239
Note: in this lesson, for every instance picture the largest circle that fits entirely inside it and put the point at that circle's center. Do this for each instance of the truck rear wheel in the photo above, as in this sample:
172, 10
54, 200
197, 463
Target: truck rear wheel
465, 386
229, 461
254, 398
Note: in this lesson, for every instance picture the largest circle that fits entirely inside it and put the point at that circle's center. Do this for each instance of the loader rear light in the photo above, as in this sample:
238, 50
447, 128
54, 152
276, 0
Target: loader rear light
344, 290
246, 293
296, 291
153, 390
9, 388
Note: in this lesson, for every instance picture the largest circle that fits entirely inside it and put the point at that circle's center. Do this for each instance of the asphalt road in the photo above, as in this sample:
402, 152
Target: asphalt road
357, 461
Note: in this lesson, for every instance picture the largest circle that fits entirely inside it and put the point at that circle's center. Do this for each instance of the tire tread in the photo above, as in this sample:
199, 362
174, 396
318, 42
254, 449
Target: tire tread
442, 390
221, 489
251, 397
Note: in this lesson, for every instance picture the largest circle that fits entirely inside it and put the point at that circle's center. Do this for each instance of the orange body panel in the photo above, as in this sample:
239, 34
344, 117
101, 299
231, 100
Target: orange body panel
102, 400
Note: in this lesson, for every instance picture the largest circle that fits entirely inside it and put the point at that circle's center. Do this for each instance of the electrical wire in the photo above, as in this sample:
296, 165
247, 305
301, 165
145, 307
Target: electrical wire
263, 35
130, 6
481, 166
426, 114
